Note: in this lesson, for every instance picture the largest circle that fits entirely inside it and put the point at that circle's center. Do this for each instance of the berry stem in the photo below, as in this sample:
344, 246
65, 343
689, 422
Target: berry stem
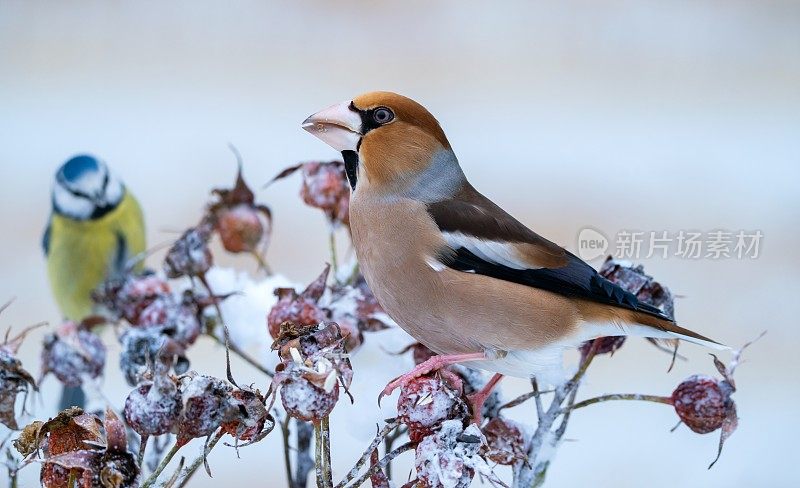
163, 464
620, 396
380, 464
391, 425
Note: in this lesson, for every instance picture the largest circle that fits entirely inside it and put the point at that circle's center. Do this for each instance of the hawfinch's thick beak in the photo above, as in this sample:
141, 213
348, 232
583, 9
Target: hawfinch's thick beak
338, 126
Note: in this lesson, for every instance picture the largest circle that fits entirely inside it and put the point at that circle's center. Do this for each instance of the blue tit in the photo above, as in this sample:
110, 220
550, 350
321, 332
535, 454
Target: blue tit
95, 228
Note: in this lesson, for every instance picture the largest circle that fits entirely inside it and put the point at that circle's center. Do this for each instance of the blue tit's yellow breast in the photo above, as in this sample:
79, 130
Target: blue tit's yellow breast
83, 253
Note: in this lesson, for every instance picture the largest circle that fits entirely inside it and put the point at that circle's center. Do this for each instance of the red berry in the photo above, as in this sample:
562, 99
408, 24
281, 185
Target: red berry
325, 187
424, 403
73, 354
505, 444
607, 345
305, 401
205, 406
240, 228
189, 255
250, 415
152, 411
701, 403
300, 310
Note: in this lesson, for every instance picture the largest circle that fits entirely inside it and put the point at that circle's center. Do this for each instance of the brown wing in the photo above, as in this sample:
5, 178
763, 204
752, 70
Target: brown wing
482, 238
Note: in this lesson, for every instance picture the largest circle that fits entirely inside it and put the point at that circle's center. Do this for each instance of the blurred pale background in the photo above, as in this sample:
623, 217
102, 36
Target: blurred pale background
614, 114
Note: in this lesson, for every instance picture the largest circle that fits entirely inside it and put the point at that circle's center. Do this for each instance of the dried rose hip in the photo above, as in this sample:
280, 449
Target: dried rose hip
190, 256
702, 403
303, 400
300, 309
127, 297
293, 308
13, 380
250, 415
606, 345
504, 442
325, 187
449, 457
240, 228
72, 354
241, 223
153, 410
424, 403
205, 406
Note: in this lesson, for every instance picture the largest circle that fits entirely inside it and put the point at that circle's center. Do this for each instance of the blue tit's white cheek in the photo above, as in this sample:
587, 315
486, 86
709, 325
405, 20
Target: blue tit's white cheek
70, 205
114, 191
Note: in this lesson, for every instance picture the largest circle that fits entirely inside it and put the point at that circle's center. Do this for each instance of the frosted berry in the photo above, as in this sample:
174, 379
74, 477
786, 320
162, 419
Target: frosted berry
424, 403
72, 354
702, 403
153, 411
504, 441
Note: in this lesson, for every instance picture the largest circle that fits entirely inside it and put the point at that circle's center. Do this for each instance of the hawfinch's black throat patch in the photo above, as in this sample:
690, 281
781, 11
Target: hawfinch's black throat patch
351, 167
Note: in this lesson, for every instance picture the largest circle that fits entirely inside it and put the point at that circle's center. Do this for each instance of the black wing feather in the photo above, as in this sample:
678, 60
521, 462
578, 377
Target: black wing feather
46, 239
575, 280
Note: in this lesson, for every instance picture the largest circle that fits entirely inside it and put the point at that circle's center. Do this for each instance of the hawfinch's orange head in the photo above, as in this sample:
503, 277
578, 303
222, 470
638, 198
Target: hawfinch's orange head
392, 138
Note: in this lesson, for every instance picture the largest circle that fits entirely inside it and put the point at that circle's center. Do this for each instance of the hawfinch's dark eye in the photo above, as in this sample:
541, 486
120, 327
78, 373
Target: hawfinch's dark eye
383, 115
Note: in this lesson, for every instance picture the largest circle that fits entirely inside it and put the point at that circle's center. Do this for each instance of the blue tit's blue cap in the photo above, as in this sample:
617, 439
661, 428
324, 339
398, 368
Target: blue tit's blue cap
76, 167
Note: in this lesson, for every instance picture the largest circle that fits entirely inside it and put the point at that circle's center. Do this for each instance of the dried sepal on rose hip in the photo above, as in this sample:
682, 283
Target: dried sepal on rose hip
14, 379
313, 367
106, 464
73, 353
243, 225
324, 187
450, 457
302, 308
427, 401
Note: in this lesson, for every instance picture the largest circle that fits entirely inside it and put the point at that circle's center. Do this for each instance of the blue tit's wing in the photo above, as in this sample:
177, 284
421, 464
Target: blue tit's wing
119, 263
46, 237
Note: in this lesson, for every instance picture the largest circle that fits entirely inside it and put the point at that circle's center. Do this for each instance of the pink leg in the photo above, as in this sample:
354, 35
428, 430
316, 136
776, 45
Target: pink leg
432, 364
478, 398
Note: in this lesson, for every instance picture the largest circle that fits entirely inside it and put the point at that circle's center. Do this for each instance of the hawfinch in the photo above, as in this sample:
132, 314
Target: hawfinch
451, 267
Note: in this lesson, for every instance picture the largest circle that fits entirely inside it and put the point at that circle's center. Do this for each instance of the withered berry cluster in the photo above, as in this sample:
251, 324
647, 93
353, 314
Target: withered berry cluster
158, 318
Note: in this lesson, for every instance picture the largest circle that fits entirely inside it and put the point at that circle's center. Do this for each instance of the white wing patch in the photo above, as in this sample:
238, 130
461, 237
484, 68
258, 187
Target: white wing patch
502, 253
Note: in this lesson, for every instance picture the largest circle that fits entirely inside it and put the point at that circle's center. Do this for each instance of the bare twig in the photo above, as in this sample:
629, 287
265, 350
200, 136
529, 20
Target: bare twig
391, 425
163, 464
304, 461
381, 464
243, 355
619, 396
201, 460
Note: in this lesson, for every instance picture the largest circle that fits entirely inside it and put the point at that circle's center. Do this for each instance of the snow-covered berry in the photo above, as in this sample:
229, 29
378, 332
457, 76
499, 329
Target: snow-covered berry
449, 458
72, 354
205, 406
291, 307
325, 187
189, 255
250, 415
153, 410
505, 443
425, 402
